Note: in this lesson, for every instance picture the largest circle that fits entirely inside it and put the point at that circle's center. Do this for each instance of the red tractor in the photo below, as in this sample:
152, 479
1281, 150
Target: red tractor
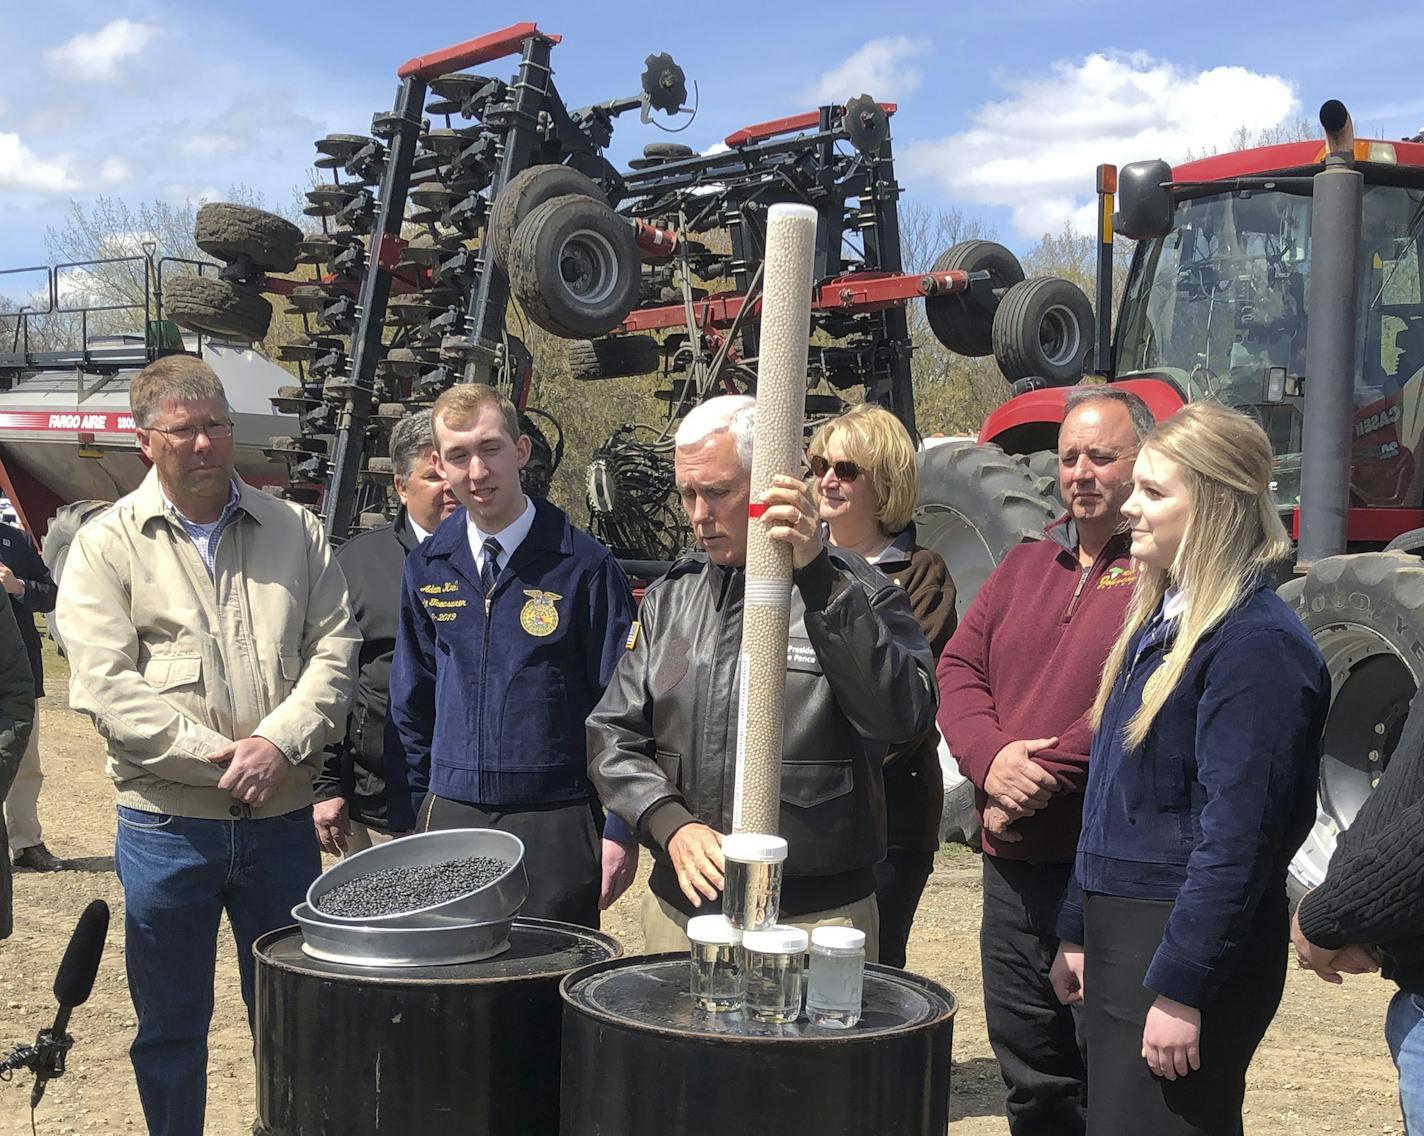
1284, 281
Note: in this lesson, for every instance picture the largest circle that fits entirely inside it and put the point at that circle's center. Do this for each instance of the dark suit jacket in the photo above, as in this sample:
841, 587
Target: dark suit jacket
18, 553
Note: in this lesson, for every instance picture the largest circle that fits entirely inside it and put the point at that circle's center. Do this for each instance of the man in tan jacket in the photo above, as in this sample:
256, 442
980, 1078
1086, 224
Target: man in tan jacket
211, 641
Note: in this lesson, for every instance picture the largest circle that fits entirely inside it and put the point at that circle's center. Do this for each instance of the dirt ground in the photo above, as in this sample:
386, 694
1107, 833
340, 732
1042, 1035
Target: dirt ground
1323, 1068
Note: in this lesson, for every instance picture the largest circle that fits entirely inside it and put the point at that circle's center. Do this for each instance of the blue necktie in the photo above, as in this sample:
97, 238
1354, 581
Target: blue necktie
489, 570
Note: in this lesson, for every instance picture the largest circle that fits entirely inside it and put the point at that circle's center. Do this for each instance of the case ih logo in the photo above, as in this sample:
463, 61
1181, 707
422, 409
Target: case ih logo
69, 423
1377, 421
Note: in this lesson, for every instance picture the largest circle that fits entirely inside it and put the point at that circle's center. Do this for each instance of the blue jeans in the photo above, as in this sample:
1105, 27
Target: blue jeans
179, 875
1404, 1030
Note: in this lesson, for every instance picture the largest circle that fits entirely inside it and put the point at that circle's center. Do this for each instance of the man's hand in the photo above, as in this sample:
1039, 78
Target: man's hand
257, 768
620, 865
1171, 1039
791, 517
1066, 973
333, 825
1017, 783
1331, 964
696, 853
997, 821
10, 582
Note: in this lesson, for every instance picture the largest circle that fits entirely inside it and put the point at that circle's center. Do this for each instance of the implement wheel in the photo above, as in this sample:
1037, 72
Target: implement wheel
1043, 329
960, 321
218, 308
574, 267
618, 357
526, 191
227, 231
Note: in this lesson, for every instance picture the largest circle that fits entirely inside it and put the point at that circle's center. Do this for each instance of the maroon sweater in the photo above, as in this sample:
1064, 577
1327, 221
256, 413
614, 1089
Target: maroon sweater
1025, 664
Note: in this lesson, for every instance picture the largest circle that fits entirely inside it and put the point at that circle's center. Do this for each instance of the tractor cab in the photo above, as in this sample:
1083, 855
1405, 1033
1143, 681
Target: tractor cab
1215, 301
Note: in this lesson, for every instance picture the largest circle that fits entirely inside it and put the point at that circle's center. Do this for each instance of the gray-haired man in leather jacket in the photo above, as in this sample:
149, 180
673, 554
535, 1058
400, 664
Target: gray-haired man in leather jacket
859, 680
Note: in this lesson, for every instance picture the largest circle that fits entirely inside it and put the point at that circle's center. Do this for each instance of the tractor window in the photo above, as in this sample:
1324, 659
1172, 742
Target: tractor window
1221, 301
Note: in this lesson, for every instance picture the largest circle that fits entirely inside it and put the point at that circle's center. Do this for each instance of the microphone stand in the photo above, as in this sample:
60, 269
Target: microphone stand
45, 1058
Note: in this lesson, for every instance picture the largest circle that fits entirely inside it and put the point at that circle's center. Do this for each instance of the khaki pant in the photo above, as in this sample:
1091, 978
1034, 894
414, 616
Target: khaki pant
363, 837
22, 814
665, 927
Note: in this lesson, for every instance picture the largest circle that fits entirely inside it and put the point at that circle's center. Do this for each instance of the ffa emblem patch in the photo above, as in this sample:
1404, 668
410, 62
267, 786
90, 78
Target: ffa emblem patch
1117, 576
540, 617
1154, 680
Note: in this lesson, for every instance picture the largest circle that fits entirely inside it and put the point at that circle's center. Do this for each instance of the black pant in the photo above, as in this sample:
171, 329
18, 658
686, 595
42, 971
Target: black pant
899, 883
1033, 1036
563, 851
1123, 1095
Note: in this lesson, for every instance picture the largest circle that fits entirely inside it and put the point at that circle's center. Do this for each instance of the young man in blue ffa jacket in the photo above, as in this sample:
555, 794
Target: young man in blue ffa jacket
511, 624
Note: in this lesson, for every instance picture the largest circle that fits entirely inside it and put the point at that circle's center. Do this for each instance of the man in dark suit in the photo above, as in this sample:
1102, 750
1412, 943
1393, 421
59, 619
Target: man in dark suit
31, 589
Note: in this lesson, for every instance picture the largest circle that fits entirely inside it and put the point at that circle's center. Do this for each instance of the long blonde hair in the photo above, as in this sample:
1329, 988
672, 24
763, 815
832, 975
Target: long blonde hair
1233, 533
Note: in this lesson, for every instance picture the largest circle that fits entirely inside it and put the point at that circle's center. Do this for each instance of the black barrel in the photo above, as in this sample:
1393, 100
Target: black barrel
471, 1049
640, 1061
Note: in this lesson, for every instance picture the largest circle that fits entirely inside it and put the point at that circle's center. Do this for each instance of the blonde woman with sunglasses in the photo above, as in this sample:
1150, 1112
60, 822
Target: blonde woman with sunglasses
866, 487
1201, 786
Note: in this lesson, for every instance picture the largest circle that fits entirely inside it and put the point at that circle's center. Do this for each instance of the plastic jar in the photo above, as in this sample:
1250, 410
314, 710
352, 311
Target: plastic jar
718, 981
774, 960
837, 980
751, 893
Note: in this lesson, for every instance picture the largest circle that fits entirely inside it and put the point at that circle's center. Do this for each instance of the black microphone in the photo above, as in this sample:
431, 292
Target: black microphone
72, 986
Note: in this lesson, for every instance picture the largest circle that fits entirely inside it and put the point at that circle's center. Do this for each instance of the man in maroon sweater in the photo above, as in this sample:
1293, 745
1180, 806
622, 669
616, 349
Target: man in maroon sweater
1016, 683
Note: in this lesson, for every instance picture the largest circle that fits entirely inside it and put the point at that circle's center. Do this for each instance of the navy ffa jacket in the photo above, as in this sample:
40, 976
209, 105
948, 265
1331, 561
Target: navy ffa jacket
492, 700
1208, 813
17, 552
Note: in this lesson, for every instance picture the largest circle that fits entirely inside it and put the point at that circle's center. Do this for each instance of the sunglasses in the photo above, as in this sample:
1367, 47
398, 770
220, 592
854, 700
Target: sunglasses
845, 470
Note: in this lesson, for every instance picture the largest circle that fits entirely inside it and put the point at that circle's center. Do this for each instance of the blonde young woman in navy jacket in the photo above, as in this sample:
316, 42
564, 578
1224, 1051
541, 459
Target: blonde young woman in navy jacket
1200, 787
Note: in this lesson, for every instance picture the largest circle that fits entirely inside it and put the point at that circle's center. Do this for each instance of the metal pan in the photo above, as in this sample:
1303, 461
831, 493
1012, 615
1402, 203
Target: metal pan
400, 946
499, 899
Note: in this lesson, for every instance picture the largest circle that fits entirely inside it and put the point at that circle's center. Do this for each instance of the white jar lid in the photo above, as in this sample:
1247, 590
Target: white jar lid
838, 938
778, 940
754, 848
714, 930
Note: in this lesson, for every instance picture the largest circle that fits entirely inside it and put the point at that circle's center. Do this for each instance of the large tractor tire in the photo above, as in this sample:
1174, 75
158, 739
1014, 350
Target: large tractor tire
218, 308
976, 502
1044, 466
574, 267
58, 538
1043, 328
959, 321
1366, 614
526, 191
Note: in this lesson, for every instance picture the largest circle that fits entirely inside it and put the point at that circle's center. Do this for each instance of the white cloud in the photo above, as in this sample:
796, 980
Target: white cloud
102, 56
879, 68
22, 169
1036, 150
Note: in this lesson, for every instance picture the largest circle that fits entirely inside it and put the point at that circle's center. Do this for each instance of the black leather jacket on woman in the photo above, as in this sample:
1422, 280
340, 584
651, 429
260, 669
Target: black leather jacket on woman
662, 742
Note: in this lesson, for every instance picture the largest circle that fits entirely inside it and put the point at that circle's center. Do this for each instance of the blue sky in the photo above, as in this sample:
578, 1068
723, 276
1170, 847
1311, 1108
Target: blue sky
1006, 107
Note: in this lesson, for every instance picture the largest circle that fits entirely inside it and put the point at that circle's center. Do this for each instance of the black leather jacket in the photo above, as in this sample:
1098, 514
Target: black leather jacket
662, 742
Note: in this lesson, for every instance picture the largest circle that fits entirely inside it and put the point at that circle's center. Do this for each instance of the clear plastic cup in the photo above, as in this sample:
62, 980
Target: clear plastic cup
751, 895
837, 981
718, 980
774, 960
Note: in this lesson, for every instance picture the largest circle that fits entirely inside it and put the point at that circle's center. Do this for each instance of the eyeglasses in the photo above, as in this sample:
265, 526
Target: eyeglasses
1098, 459
215, 432
845, 470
